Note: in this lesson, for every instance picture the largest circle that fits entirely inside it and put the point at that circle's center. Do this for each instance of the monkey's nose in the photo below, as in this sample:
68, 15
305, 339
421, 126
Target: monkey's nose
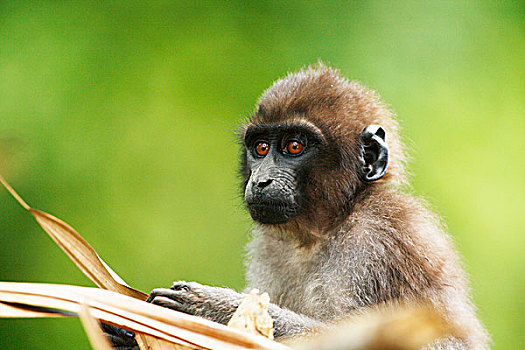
263, 184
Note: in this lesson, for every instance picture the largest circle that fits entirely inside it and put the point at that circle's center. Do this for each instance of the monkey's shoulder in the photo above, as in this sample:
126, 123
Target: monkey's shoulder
398, 234
391, 212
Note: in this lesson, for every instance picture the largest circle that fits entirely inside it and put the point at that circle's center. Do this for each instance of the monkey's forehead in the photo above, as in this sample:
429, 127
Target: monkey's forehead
293, 124
322, 96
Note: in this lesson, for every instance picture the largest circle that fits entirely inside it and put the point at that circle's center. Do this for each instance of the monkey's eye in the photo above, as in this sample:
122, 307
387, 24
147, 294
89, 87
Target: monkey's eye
262, 148
294, 148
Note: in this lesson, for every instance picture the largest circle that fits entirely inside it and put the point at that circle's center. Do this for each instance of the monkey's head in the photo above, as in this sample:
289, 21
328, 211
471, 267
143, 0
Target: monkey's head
315, 145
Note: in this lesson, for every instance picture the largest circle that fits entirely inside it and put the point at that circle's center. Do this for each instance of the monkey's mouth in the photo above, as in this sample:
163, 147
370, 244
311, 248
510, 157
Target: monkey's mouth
271, 213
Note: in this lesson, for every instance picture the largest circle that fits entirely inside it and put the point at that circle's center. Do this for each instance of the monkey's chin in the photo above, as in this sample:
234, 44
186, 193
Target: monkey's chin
269, 214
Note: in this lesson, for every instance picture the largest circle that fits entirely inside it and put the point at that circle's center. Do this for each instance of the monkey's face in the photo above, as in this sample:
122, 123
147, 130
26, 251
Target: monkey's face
278, 157
293, 172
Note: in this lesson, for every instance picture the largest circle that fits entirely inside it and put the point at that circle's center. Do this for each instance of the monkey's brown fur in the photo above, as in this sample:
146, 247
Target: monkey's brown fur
352, 244
358, 244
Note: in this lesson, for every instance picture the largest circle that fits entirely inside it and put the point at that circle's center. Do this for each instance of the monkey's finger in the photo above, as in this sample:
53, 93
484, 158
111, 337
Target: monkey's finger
167, 302
156, 292
182, 285
182, 295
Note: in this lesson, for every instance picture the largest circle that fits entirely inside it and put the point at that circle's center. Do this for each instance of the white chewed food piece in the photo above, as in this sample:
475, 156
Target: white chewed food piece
252, 315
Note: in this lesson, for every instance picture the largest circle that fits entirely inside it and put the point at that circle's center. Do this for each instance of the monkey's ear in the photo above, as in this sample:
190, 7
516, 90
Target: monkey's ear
374, 153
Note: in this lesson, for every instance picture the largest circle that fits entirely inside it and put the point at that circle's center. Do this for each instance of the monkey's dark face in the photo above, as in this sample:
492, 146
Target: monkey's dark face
277, 161
293, 171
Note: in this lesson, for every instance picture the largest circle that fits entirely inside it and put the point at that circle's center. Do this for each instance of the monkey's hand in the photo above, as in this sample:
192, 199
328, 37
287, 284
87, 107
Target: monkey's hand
213, 303
219, 304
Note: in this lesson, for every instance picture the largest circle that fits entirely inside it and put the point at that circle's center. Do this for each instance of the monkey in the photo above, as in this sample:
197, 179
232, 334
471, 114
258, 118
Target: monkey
336, 230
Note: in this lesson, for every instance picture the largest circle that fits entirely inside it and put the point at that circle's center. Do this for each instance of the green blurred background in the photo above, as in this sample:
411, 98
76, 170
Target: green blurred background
117, 117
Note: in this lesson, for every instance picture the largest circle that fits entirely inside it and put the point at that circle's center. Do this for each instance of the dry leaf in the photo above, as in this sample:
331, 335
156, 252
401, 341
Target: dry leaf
149, 342
78, 250
9, 311
99, 341
252, 315
93, 330
133, 314
383, 328
86, 259
81, 253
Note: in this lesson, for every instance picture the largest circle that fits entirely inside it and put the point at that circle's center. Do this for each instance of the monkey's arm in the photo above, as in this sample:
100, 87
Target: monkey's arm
218, 304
